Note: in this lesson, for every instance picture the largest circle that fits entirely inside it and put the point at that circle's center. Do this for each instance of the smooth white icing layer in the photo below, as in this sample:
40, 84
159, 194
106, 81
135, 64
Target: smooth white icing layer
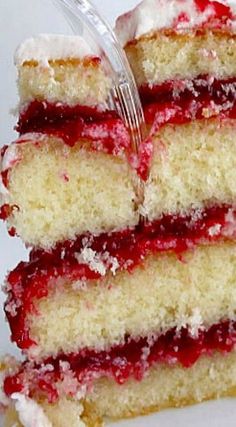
152, 15
30, 413
47, 47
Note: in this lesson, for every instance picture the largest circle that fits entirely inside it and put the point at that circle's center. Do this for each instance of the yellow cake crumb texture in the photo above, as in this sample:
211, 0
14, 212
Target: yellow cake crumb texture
70, 82
163, 293
165, 55
60, 192
193, 166
68, 191
163, 387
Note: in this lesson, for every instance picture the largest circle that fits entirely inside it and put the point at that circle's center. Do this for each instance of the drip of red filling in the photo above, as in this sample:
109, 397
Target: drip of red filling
5, 211
219, 14
131, 359
104, 129
174, 231
33, 280
220, 11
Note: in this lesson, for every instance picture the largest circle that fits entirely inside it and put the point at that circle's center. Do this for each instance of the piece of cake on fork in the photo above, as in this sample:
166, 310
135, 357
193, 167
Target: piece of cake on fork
72, 151
121, 320
183, 58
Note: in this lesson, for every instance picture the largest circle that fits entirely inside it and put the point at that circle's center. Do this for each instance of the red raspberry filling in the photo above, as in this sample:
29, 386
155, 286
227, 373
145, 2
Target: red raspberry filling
33, 280
129, 360
203, 88
220, 11
104, 129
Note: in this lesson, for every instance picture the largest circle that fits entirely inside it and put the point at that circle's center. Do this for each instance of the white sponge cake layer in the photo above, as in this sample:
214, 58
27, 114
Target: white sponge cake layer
164, 56
193, 166
70, 82
161, 294
63, 191
57, 68
168, 386
163, 387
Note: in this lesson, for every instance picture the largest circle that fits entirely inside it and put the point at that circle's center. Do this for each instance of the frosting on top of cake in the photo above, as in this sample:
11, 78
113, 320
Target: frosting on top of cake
47, 47
152, 15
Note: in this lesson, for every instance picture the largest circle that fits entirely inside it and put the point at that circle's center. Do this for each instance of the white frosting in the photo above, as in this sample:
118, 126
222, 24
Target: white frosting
151, 15
30, 413
195, 322
93, 260
47, 47
230, 227
100, 263
10, 158
215, 230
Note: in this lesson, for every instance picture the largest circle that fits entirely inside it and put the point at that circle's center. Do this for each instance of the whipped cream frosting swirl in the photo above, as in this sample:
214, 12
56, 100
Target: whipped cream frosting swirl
46, 47
154, 15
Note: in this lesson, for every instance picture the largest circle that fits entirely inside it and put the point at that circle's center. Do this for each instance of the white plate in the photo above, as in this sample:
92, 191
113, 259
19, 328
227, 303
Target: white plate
20, 19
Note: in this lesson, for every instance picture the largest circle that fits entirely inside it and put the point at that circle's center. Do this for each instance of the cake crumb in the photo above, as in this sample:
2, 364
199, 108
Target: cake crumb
215, 230
98, 262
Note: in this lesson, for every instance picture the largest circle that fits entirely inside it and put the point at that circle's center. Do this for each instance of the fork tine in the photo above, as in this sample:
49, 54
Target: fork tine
124, 96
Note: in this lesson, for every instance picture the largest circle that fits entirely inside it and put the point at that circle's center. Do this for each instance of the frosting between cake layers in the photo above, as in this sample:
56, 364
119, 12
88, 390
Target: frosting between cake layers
30, 413
47, 47
71, 374
151, 15
104, 130
31, 281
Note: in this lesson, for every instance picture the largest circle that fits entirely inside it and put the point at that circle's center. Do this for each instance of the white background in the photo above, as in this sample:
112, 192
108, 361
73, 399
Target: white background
18, 20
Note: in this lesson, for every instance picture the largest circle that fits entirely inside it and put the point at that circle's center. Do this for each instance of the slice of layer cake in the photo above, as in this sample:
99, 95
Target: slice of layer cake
162, 387
58, 178
186, 50
164, 329
63, 307
120, 325
183, 60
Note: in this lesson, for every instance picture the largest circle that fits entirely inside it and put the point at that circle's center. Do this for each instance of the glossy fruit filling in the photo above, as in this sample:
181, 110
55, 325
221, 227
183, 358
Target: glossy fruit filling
35, 279
103, 129
219, 11
203, 88
129, 360
5, 211
187, 109
218, 14
214, 15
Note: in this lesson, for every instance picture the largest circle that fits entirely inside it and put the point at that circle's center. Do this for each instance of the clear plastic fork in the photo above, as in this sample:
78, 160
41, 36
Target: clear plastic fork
124, 97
